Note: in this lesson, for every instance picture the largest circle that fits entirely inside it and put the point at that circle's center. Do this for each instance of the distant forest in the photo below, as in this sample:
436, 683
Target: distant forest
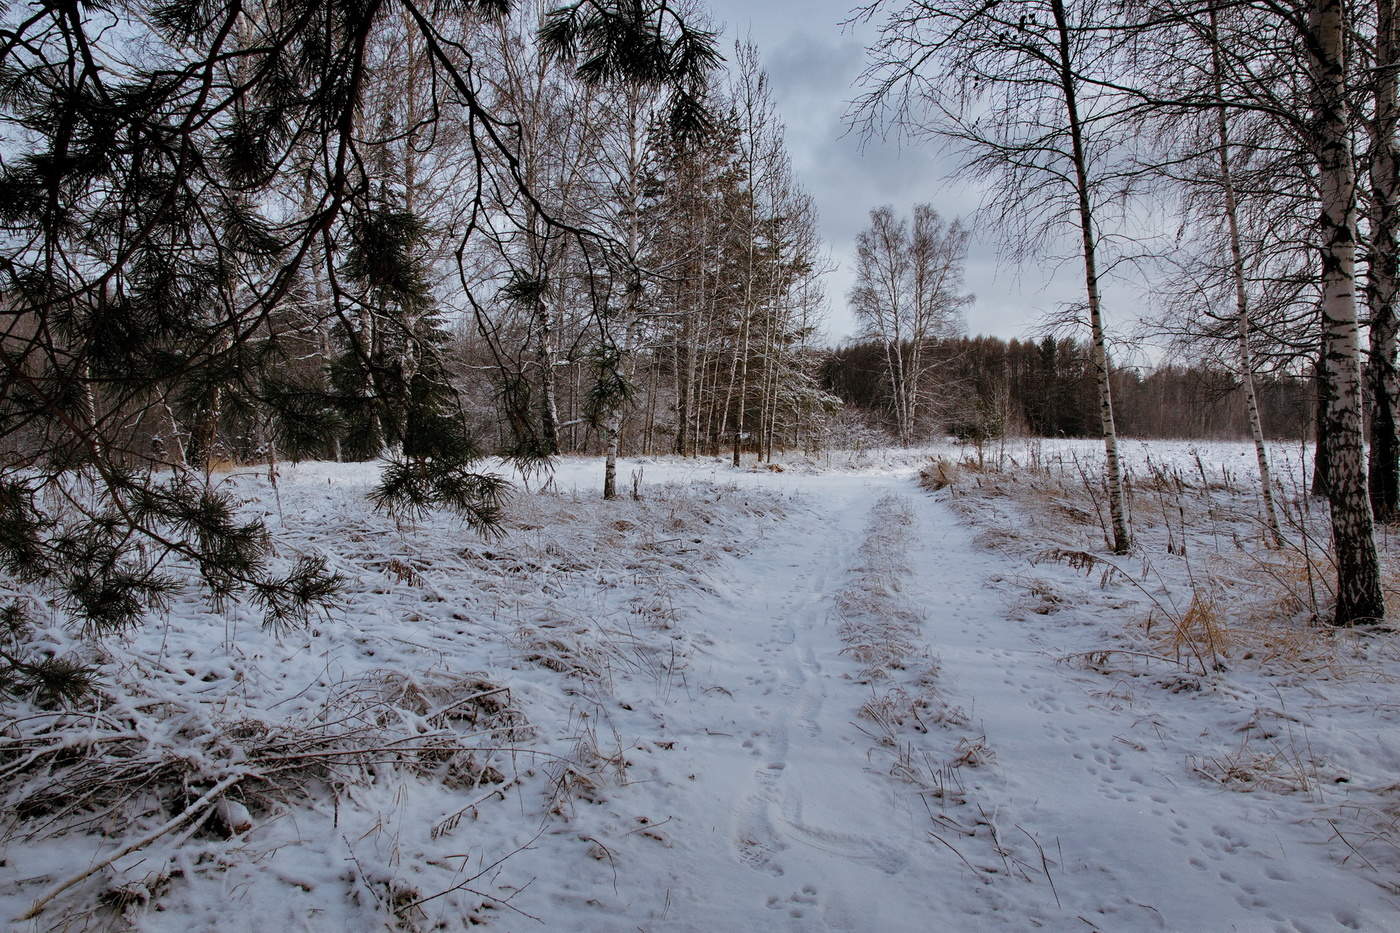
985, 386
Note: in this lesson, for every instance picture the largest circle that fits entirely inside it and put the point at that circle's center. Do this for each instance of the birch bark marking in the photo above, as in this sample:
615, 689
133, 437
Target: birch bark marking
1383, 269
1358, 572
1112, 466
545, 359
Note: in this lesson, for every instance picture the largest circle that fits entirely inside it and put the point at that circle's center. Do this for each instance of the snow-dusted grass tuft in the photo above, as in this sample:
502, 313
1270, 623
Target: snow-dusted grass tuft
881, 629
1275, 764
879, 625
1367, 837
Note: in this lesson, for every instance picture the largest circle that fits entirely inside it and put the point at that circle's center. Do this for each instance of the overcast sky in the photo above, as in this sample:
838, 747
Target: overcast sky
813, 64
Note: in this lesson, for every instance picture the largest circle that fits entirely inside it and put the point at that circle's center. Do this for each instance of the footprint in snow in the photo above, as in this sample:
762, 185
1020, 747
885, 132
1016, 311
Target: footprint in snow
797, 904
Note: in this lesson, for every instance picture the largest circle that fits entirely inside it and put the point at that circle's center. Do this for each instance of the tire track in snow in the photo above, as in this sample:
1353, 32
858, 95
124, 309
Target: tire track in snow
798, 828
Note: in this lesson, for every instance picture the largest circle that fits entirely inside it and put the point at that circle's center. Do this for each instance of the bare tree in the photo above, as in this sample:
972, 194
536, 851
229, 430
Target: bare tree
1023, 90
908, 292
1237, 273
1198, 155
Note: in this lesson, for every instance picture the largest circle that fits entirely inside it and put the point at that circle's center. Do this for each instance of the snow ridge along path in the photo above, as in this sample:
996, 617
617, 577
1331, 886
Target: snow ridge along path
776, 806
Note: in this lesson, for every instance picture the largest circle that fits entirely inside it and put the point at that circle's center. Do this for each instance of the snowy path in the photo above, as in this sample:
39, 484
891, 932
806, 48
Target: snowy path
782, 785
774, 810
771, 815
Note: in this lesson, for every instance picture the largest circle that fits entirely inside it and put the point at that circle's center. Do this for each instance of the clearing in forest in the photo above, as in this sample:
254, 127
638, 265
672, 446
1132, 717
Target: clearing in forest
826, 698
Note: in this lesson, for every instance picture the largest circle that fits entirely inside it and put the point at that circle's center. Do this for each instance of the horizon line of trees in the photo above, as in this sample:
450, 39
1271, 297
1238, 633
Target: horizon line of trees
986, 387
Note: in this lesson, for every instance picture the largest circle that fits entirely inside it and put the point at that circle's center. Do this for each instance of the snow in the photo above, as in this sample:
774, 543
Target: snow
821, 698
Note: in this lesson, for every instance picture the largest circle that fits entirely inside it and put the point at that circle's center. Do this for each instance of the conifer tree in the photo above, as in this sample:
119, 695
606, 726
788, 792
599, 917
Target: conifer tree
152, 248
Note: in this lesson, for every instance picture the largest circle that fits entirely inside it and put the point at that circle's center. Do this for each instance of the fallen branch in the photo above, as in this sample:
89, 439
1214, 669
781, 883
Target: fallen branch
192, 810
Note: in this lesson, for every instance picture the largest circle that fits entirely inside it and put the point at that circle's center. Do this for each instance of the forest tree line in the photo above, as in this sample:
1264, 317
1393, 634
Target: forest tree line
986, 387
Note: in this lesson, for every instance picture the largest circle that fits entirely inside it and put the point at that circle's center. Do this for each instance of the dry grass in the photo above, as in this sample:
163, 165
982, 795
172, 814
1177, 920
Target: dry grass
1198, 633
940, 473
121, 770
1280, 766
584, 774
157, 779
1366, 835
896, 709
1211, 607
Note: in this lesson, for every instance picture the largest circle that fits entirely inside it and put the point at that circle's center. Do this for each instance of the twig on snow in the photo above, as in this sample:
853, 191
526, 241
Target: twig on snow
193, 809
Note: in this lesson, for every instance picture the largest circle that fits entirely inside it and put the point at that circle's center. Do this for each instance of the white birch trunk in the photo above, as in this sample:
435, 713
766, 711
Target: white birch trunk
1227, 184
1358, 572
1112, 466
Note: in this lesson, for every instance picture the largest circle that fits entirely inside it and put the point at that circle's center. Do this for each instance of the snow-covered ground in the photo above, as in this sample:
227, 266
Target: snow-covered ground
821, 698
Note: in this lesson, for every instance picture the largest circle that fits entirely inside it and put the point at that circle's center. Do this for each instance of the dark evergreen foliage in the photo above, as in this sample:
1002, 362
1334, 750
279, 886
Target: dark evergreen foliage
25, 671
644, 42
205, 253
410, 486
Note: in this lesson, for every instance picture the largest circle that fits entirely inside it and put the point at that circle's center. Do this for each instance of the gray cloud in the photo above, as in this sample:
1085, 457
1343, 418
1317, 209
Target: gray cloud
812, 65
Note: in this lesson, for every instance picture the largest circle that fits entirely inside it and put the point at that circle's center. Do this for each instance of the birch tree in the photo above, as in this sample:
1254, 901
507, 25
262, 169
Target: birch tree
1229, 208
1353, 538
1019, 89
1206, 158
907, 294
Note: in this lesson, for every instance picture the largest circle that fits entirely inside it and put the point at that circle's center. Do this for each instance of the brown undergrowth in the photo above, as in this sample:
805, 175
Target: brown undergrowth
1210, 586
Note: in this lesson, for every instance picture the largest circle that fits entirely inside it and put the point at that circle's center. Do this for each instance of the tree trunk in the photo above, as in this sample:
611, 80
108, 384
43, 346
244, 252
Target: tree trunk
1318, 486
1358, 571
176, 445
206, 430
653, 397
1227, 183
743, 387
612, 434
1383, 270
549, 406
685, 379
1114, 474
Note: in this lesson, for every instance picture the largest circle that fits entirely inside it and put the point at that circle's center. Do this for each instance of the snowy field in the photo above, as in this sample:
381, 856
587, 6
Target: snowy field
825, 697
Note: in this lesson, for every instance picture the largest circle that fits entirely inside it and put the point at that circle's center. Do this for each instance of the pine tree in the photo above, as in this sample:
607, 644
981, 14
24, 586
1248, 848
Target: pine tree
154, 253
